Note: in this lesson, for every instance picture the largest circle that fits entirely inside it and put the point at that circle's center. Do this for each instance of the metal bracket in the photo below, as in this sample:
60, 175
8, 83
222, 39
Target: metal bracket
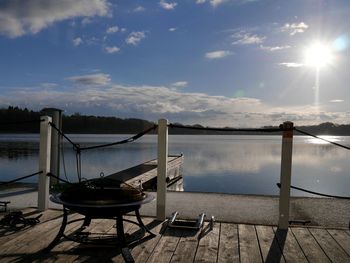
186, 224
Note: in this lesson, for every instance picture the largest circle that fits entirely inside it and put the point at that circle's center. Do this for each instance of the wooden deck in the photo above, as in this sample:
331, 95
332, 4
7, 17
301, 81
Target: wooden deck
224, 243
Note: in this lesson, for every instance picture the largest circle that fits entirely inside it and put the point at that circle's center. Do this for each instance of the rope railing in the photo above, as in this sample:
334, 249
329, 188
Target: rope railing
31, 175
131, 139
75, 145
279, 129
58, 178
78, 149
20, 178
315, 193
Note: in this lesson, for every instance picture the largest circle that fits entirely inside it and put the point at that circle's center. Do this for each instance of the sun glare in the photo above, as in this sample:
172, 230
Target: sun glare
318, 55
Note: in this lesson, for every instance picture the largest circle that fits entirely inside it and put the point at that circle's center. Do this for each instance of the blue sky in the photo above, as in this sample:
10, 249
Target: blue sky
238, 63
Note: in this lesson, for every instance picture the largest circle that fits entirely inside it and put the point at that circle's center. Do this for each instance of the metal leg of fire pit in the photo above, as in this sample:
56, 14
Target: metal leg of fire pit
142, 225
122, 239
60, 232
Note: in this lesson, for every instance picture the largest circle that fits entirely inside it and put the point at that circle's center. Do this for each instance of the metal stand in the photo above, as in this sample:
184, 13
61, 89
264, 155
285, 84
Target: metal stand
121, 239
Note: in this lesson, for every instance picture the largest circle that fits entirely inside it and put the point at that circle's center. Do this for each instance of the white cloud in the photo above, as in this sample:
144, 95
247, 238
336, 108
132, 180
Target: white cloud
98, 79
86, 20
218, 54
167, 6
215, 3
336, 101
154, 102
139, 9
172, 29
274, 48
18, 18
291, 64
112, 30
245, 38
111, 50
77, 41
48, 85
294, 28
134, 38
180, 84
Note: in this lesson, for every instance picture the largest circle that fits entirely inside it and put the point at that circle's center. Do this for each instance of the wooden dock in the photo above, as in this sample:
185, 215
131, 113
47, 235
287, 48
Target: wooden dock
147, 173
224, 243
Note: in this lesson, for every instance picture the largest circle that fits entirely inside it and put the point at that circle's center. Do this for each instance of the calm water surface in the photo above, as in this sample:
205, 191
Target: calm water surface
225, 164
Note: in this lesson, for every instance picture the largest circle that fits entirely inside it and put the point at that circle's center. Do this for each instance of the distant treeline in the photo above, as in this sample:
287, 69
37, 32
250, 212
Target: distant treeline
17, 120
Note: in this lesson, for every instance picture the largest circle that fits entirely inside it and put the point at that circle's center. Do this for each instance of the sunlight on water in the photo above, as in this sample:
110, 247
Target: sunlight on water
224, 164
326, 137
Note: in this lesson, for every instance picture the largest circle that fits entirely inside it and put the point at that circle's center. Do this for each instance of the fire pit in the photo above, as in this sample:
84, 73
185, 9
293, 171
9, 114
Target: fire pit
102, 198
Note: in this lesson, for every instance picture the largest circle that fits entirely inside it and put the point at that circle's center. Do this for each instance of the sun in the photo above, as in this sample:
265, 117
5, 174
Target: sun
318, 55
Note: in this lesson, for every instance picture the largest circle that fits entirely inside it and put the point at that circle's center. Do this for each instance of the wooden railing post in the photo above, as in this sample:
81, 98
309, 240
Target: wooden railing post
286, 173
44, 163
162, 167
56, 115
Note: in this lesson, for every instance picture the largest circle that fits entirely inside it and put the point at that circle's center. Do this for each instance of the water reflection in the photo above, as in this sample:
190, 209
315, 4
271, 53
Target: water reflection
226, 164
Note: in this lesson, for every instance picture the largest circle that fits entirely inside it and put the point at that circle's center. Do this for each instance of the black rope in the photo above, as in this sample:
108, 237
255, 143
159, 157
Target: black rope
316, 193
21, 178
131, 139
75, 146
225, 129
20, 122
59, 179
317, 137
78, 162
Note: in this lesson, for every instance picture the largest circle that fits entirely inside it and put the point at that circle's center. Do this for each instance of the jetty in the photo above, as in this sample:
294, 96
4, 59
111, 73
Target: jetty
145, 174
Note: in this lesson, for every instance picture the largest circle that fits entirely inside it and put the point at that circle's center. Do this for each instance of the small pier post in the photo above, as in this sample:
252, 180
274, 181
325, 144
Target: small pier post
286, 173
162, 167
44, 163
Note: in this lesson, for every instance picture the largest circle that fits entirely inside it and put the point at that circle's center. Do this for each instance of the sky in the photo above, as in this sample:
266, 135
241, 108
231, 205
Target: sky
236, 63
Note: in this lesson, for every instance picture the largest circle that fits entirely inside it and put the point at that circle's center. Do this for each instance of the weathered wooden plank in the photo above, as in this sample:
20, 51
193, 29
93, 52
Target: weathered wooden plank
289, 246
34, 233
308, 244
342, 238
269, 246
186, 249
166, 246
248, 243
69, 251
29, 246
208, 246
7, 233
229, 245
143, 248
62, 252
102, 253
329, 245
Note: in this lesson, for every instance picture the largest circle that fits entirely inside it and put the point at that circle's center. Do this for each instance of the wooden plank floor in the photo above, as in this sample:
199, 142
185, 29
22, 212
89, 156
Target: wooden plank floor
223, 243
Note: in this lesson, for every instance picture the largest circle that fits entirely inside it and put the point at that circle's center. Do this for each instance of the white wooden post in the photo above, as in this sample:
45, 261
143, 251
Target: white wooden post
56, 115
162, 167
44, 163
286, 173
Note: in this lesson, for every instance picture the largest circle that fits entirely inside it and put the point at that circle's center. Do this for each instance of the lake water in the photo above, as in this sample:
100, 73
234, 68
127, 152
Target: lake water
213, 163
